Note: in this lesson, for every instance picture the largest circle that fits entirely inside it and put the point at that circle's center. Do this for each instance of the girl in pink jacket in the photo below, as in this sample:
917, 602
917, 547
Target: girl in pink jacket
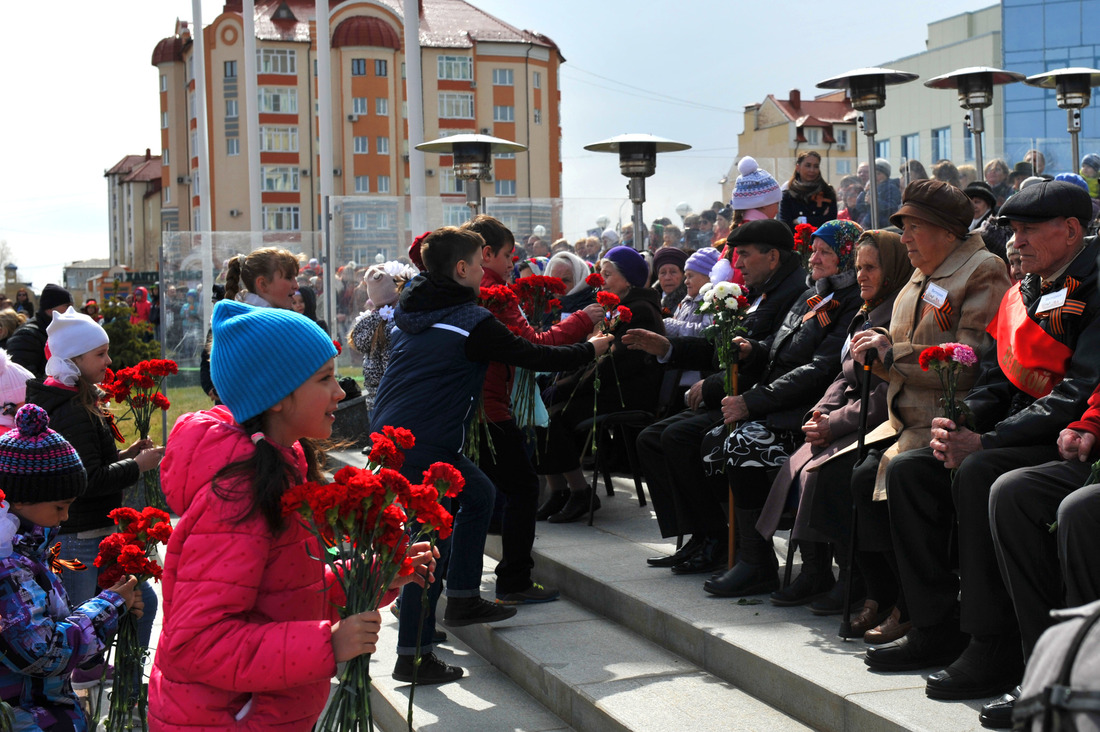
251, 637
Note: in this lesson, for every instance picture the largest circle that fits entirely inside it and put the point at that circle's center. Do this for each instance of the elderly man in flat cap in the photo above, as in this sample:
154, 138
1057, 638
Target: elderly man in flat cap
1034, 379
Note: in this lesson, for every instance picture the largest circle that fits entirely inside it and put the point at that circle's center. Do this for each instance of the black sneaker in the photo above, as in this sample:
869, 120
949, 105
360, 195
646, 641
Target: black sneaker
432, 670
534, 594
473, 610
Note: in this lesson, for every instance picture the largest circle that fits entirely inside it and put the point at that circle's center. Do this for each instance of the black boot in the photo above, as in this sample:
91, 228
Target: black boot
688, 550
552, 505
813, 581
575, 508
712, 556
757, 569
832, 603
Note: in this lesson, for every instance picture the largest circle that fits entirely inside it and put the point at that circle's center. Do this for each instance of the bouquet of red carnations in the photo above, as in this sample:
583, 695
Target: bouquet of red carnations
138, 387
948, 360
132, 550
366, 520
803, 242
614, 314
537, 297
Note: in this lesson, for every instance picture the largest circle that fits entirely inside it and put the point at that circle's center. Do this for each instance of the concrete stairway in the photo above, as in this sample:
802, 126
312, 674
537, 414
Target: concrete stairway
629, 647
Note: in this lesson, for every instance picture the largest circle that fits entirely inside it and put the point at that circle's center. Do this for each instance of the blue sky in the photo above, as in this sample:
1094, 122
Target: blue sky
680, 70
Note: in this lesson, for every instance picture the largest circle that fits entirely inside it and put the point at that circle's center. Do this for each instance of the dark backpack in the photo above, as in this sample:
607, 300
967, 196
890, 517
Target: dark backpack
1061, 689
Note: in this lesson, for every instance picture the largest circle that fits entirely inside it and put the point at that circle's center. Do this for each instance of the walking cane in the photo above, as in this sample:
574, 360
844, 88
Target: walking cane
861, 452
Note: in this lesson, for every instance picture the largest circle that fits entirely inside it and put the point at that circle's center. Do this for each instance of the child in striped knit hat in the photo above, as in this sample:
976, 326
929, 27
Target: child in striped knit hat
43, 638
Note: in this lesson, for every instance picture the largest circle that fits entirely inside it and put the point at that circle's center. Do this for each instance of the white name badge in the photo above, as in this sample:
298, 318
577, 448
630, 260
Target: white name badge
755, 305
1052, 300
935, 295
824, 300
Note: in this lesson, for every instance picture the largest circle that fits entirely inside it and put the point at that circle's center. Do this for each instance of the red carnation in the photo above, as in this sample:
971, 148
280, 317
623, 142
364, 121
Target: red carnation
446, 479
594, 280
607, 300
624, 314
402, 437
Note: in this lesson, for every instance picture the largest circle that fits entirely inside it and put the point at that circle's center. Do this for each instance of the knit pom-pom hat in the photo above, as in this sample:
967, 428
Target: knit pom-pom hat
755, 187
36, 463
261, 355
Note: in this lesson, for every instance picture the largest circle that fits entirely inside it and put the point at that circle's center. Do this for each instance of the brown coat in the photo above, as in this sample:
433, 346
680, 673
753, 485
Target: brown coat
975, 280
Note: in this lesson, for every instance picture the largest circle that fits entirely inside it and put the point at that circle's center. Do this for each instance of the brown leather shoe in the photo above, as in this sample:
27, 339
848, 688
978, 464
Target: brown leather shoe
889, 631
863, 620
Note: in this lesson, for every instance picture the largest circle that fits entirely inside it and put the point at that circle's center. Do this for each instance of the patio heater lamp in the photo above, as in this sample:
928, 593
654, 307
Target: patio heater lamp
1073, 89
637, 161
867, 93
975, 86
472, 160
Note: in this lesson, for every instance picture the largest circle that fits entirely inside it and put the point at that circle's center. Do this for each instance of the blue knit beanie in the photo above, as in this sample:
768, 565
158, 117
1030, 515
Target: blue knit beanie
630, 264
261, 355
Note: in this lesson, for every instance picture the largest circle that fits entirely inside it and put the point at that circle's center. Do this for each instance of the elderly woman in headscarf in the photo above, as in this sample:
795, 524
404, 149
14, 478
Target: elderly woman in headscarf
628, 380
824, 503
951, 298
572, 271
762, 426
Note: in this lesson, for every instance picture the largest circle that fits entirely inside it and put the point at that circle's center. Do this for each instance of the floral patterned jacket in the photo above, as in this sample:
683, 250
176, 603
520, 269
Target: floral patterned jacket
42, 638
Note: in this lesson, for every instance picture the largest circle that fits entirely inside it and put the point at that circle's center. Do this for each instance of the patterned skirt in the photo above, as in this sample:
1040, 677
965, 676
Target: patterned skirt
748, 445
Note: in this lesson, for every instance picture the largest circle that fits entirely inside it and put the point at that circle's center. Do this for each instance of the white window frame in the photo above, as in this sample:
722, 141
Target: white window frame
536, 79
362, 184
231, 109
167, 194
279, 179
281, 218
276, 61
278, 139
360, 145
538, 116
456, 68
504, 113
455, 214
813, 135
381, 64
504, 156
164, 157
230, 69
449, 182
164, 82
359, 220
232, 146
504, 187
456, 105
383, 184
384, 222
504, 77
164, 120
361, 63
382, 145
359, 105
382, 106
278, 100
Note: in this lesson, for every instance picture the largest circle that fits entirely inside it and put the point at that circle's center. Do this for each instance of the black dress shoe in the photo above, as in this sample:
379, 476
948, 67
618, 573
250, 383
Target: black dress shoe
710, 558
997, 714
990, 665
744, 579
575, 508
806, 587
832, 602
920, 648
693, 546
554, 503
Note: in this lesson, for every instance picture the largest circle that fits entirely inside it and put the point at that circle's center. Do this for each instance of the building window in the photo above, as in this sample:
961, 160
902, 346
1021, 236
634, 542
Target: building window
191, 105
358, 67
362, 184
164, 156
382, 146
503, 77
190, 68
280, 179
456, 106
381, 67
402, 69
536, 79
538, 116
359, 220
968, 144
231, 69
232, 146
281, 218
359, 105
278, 100
361, 145
449, 182
456, 67
504, 114
168, 194
164, 120
382, 106
843, 166
194, 143
384, 221
383, 184
882, 149
405, 110
842, 138
505, 156
277, 60
278, 139
505, 187
231, 109
813, 135
164, 82
941, 143
910, 146
455, 214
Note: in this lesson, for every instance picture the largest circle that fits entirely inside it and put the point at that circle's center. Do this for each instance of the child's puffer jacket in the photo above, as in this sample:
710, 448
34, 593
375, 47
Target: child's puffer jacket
247, 641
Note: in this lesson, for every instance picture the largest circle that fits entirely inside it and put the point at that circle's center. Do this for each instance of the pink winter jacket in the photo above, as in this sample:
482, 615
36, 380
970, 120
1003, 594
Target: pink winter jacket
246, 623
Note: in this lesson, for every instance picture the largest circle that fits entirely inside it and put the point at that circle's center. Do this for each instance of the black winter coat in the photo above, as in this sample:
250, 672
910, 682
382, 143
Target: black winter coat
802, 357
92, 439
27, 345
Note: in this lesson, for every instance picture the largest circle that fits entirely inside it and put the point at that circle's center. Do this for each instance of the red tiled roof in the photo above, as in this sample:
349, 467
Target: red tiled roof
126, 165
816, 113
167, 50
362, 30
147, 170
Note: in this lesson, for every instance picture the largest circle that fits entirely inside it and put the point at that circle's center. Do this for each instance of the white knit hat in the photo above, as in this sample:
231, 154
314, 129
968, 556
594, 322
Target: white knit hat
13, 387
71, 334
755, 187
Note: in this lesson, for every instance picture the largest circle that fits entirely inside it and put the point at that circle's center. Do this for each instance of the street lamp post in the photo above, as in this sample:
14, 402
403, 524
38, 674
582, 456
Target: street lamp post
472, 160
637, 161
975, 86
1073, 89
867, 93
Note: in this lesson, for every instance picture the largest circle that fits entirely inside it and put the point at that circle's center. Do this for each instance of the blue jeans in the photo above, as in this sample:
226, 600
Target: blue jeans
460, 556
81, 586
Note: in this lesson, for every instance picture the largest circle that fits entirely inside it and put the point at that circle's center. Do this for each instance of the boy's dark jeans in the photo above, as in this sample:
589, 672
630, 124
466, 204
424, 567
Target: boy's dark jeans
509, 467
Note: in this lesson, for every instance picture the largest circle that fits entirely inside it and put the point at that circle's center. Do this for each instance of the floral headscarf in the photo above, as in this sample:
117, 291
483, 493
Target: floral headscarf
842, 237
